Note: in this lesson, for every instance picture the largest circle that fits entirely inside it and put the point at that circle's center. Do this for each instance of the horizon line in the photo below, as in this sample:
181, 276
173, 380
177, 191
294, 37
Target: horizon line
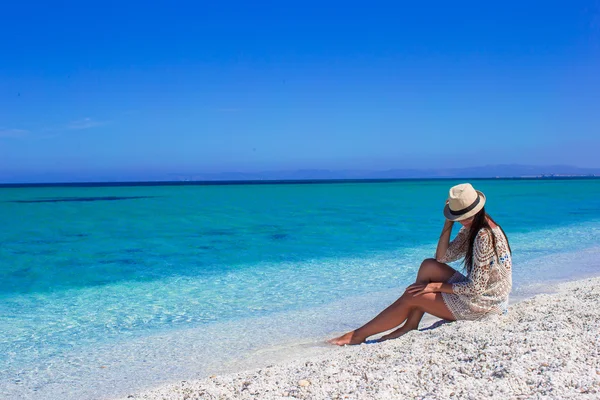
267, 181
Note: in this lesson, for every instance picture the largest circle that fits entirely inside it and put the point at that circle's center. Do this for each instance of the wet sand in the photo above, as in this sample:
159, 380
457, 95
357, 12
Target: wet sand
546, 346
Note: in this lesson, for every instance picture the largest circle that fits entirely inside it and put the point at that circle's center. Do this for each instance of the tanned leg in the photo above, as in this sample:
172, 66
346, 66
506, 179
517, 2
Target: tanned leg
394, 315
430, 271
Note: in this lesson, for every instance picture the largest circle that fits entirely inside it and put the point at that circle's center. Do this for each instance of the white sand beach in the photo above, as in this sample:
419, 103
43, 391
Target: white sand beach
547, 346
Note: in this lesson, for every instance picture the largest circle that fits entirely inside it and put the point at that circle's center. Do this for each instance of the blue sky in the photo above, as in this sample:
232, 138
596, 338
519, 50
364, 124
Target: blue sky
106, 89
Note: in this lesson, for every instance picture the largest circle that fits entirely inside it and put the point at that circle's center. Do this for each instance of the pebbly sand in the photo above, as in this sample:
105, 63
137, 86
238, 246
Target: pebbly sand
547, 346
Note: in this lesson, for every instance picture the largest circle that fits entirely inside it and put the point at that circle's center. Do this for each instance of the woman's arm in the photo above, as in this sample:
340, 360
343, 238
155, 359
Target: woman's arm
434, 287
444, 241
456, 249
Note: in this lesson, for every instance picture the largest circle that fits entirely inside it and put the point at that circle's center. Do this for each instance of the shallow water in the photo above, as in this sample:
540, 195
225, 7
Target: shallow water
109, 289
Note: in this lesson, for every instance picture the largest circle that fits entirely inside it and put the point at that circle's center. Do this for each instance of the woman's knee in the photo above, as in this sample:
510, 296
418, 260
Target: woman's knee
433, 271
428, 262
427, 265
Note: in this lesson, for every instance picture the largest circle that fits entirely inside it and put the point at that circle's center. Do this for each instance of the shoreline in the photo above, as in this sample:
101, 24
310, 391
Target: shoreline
144, 363
141, 364
501, 357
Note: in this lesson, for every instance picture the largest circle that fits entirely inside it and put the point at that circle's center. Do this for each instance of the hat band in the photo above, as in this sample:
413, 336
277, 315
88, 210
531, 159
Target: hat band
466, 210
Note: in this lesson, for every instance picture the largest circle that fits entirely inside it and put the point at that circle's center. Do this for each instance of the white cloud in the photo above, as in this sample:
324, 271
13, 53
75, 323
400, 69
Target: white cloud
84, 123
12, 133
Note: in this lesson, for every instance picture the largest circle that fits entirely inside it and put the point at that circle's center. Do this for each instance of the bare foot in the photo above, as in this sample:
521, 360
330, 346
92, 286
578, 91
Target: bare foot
347, 338
396, 334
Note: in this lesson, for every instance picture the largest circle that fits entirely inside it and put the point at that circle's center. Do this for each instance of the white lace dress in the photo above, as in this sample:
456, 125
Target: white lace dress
487, 285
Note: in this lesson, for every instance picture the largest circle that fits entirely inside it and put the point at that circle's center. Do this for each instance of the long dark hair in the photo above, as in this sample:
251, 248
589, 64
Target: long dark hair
481, 222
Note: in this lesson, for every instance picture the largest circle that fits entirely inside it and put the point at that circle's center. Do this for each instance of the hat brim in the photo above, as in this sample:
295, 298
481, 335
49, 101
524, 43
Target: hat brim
469, 214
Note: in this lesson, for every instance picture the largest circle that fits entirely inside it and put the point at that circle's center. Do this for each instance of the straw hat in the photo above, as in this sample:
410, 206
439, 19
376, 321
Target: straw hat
463, 202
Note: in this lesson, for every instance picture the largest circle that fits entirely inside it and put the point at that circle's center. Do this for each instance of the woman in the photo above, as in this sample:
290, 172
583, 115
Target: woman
439, 289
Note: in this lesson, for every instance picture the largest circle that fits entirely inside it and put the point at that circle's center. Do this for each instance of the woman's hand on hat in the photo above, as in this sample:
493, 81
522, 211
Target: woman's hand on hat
447, 221
447, 226
417, 289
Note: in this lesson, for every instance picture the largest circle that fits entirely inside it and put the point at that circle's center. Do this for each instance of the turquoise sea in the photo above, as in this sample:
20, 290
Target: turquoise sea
107, 290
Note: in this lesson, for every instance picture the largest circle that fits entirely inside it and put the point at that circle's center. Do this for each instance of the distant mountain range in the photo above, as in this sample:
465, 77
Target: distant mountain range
488, 171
